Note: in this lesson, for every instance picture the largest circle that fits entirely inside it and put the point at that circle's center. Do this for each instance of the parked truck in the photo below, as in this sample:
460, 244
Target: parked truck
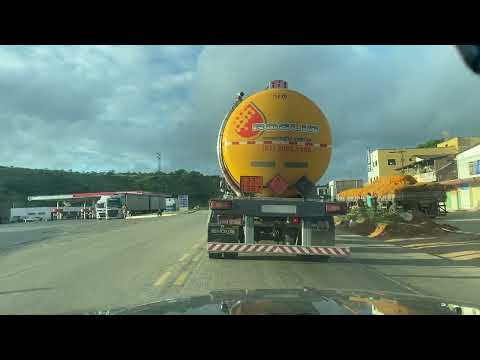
337, 186
399, 193
110, 206
273, 146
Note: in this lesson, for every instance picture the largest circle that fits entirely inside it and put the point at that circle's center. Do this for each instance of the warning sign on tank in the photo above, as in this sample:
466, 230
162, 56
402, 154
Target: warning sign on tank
251, 184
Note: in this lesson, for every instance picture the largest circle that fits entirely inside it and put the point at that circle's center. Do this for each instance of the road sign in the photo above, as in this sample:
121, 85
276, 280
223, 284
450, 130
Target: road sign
278, 184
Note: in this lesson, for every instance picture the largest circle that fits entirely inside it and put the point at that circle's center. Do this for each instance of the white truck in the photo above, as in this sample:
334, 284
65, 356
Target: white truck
110, 206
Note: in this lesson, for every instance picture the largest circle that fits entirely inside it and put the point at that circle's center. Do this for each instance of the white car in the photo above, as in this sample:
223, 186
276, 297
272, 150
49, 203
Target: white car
32, 219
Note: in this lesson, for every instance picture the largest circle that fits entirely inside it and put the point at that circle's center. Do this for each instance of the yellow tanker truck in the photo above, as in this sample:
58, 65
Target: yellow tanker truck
273, 146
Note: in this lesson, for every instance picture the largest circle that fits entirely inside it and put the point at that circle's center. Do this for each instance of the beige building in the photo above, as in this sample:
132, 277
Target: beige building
460, 143
384, 162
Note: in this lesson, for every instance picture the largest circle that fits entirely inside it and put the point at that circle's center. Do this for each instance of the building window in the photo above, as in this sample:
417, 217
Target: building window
391, 162
474, 167
30, 213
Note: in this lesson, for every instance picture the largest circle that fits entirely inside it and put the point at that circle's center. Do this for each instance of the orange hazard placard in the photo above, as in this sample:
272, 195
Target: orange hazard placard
251, 184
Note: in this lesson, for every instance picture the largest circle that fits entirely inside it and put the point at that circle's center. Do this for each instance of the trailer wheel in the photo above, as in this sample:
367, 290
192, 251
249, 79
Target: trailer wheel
215, 255
230, 255
392, 209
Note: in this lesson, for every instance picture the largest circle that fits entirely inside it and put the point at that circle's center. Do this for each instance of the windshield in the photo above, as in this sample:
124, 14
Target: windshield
234, 168
114, 203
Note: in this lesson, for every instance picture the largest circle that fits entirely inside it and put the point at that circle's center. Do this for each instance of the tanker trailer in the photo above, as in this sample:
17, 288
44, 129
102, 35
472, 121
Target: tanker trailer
273, 146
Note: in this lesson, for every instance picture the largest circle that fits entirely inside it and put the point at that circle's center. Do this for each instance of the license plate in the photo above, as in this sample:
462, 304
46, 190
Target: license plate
221, 231
279, 209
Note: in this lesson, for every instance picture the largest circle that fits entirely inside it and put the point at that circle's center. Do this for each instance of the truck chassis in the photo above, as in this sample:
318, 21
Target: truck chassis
287, 226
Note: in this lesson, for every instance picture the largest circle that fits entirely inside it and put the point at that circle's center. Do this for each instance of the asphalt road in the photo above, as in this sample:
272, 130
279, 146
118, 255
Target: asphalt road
465, 220
83, 266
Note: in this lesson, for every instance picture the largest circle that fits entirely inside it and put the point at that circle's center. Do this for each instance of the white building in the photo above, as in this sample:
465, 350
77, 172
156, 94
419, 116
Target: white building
466, 194
468, 163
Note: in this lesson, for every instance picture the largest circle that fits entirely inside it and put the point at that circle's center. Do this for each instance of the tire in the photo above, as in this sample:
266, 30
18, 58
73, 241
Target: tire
215, 255
230, 255
392, 209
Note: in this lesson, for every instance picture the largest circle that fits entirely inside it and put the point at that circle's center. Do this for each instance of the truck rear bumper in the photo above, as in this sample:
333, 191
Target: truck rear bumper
215, 247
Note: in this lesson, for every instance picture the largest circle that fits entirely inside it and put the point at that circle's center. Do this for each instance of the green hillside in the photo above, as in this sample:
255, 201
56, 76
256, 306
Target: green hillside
18, 183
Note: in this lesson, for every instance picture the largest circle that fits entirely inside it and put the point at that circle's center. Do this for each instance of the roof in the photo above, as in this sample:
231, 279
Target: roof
439, 149
460, 182
425, 158
469, 148
90, 195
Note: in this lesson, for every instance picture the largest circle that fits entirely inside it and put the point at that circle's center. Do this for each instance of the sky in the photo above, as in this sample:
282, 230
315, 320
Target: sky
101, 108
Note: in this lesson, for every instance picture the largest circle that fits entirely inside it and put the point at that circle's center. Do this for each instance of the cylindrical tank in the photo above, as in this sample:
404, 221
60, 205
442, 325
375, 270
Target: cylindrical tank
274, 133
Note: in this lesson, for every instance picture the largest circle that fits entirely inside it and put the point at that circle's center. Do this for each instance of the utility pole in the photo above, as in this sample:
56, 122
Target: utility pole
159, 161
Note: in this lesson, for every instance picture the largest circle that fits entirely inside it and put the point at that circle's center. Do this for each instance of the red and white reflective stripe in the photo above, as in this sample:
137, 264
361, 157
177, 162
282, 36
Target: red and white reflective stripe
278, 249
268, 142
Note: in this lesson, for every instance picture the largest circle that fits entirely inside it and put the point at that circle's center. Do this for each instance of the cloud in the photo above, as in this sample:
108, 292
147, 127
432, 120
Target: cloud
113, 107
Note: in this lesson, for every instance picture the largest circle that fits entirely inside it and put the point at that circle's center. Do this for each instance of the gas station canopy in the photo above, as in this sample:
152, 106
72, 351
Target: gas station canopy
82, 196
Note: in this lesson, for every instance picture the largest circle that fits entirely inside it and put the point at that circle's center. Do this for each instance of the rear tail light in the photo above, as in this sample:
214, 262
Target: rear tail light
336, 208
220, 204
296, 220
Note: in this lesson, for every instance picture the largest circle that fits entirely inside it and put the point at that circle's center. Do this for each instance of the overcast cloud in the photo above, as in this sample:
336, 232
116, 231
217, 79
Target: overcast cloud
112, 107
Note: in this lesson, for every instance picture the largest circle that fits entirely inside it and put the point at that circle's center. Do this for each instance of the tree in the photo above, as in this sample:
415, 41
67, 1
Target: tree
429, 144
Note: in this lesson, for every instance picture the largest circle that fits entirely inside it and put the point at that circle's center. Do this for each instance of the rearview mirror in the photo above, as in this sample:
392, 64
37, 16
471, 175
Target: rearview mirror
471, 56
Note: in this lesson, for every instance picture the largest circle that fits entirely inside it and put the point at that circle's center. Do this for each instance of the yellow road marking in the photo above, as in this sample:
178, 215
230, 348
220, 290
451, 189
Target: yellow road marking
459, 253
411, 239
184, 257
444, 245
181, 278
197, 257
379, 230
467, 257
424, 244
162, 279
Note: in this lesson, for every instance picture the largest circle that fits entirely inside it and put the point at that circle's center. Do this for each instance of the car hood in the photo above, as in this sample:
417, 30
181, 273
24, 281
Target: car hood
305, 301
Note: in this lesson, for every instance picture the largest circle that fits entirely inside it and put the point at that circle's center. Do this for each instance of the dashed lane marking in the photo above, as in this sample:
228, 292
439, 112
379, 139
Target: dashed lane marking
442, 245
411, 239
162, 279
467, 257
181, 279
196, 258
184, 257
422, 244
456, 254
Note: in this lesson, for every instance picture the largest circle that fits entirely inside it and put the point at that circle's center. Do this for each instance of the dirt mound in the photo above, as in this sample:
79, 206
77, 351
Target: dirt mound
420, 226
406, 230
364, 228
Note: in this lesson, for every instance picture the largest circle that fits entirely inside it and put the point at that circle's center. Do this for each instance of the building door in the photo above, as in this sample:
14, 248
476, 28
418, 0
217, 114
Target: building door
476, 196
464, 198
452, 200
